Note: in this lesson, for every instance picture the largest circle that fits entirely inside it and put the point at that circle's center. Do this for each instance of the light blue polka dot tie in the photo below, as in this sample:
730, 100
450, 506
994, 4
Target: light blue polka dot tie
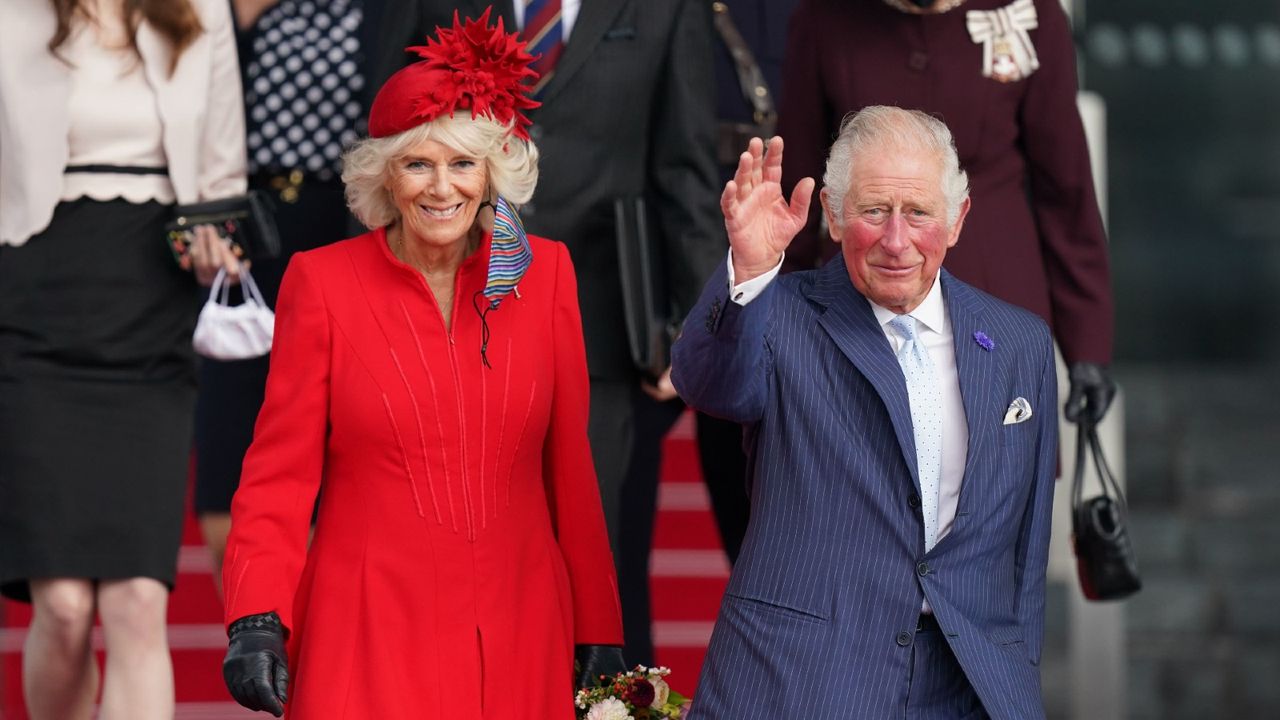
926, 419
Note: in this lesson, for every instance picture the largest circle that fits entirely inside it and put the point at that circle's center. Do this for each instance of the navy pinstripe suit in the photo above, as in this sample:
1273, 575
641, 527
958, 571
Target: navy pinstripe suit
820, 613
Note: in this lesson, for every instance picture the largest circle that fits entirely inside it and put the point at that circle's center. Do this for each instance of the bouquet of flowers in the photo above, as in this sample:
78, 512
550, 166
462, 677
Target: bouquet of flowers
640, 694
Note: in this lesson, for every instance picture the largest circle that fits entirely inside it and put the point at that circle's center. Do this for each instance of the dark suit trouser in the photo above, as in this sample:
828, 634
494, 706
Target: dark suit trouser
938, 688
653, 420
724, 469
611, 430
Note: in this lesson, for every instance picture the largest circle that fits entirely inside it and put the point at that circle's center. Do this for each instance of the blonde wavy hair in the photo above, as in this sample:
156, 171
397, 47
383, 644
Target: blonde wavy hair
512, 163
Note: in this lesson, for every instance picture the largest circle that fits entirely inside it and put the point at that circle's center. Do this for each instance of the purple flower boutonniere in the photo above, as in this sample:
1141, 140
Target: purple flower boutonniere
983, 341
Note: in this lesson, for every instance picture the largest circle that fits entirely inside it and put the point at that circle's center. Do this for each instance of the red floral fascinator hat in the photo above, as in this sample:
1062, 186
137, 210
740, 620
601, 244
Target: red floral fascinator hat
470, 66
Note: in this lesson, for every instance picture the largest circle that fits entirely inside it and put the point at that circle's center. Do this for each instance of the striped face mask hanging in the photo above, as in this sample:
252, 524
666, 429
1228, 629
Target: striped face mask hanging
509, 254
509, 258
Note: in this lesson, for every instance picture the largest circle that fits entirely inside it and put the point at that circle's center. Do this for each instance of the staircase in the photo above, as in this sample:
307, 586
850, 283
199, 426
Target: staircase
688, 572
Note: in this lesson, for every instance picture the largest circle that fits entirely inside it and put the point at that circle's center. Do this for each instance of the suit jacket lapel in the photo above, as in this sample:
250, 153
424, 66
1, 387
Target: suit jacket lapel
978, 370
594, 18
852, 325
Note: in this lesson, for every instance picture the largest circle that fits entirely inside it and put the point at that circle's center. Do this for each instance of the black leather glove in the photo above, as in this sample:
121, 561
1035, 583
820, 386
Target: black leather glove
592, 661
1092, 391
256, 667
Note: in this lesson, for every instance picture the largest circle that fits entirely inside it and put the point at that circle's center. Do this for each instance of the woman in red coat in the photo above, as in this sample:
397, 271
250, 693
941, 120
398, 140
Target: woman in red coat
431, 376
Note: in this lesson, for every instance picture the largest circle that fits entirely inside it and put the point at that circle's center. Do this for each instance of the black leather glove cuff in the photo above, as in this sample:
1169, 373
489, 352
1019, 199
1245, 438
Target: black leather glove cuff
269, 622
256, 665
592, 661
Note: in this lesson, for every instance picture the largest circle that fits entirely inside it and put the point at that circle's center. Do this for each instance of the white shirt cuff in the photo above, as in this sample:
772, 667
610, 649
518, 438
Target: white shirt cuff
751, 289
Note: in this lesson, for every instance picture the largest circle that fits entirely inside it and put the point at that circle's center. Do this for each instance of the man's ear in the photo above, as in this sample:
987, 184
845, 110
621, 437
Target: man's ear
833, 228
955, 229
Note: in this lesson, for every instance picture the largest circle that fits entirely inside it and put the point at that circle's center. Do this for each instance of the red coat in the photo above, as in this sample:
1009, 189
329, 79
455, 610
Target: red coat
1034, 235
460, 549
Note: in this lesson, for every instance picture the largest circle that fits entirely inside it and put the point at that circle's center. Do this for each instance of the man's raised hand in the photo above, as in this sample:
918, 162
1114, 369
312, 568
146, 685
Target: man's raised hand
760, 222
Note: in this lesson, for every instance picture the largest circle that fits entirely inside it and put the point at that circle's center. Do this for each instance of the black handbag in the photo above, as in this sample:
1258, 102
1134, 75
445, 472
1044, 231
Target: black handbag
651, 327
248, 221
1105, 561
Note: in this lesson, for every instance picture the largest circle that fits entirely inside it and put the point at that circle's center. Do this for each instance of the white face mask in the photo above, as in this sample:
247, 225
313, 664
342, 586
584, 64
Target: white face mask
239, 332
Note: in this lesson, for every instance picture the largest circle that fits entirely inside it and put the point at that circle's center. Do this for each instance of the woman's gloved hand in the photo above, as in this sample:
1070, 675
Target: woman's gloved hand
256, 668
592, 661
1092, 391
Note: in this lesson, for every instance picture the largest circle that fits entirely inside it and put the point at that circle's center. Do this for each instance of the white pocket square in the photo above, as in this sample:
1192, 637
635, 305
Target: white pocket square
1019, 411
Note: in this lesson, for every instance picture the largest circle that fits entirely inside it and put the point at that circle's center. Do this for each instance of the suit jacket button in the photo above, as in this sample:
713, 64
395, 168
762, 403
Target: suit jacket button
914, 500
922, 569
904, 639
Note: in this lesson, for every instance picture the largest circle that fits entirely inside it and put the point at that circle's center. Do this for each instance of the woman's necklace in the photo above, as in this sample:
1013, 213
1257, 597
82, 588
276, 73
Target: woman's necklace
938, 7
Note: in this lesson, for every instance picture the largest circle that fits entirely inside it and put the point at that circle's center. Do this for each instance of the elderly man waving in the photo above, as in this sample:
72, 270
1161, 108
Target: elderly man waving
903, 444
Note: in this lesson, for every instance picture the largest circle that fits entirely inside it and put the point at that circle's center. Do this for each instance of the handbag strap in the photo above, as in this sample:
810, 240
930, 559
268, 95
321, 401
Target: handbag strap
750, 79
1087, 441
221, 289
249, 287
1104, 469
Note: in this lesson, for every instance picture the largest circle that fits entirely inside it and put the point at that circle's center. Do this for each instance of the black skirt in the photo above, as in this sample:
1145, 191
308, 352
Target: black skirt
97, 391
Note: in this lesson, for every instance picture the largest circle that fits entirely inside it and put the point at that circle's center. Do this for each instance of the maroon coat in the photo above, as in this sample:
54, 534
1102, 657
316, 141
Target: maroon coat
1034, 235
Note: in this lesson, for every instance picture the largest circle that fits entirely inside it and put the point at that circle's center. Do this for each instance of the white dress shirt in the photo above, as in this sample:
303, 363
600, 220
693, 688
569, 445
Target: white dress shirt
933, 327
568, 15
747, 291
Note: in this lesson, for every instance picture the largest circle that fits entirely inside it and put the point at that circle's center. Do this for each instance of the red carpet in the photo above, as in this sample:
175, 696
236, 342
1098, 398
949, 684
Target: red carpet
688, 575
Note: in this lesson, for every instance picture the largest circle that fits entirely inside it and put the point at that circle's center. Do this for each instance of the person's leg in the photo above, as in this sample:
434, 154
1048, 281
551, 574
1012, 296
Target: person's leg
653, 420
611, 432
231, 392
214, 527
59, 673
724, 469
230, 395
138, 682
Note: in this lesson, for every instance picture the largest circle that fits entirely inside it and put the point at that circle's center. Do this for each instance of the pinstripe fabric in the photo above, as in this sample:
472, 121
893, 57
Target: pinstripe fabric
938, 687
819, 616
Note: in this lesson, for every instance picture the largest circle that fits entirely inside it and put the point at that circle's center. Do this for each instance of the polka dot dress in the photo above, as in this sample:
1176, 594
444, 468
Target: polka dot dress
926, 419
303, 87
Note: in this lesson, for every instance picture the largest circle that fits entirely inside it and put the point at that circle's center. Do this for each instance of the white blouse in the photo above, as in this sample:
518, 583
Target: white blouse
199, 102
114, 118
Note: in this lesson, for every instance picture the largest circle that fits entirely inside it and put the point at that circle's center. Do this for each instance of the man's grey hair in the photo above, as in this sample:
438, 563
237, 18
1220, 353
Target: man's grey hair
880, 126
